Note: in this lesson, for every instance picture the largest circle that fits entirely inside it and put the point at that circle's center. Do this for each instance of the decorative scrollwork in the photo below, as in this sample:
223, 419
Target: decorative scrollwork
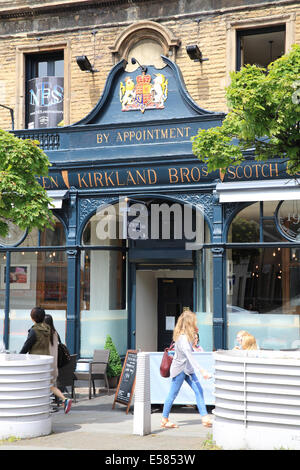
88, 206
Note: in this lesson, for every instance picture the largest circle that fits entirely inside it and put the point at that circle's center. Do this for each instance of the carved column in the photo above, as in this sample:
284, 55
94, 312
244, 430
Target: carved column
72, 337
219, 282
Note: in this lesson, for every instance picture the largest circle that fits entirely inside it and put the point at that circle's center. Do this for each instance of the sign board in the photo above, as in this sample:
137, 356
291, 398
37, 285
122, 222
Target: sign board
126, 383
45, 102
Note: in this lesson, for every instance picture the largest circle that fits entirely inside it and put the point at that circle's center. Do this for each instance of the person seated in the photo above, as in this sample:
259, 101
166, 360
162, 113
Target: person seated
248, 342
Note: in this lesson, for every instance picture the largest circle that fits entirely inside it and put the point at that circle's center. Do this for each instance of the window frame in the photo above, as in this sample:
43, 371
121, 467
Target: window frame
240, 33
21, 53
232, 27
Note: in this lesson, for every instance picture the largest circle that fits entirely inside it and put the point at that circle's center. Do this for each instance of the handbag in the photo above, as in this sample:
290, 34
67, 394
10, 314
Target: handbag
63, 355
166, 361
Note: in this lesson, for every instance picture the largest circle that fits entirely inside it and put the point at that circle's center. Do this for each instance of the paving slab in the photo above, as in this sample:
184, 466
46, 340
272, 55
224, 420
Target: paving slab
94, 425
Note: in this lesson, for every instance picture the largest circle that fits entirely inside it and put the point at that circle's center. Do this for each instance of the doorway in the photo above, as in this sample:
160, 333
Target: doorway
174, 294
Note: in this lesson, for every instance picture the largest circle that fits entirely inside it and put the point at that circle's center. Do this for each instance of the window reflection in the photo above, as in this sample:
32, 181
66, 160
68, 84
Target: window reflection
263, 288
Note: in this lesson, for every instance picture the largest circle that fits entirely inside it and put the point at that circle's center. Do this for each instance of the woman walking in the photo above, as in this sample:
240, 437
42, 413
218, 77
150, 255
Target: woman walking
183, 368
53, 352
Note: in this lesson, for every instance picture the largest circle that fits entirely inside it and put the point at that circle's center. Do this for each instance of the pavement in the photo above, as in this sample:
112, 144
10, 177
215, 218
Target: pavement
94, 425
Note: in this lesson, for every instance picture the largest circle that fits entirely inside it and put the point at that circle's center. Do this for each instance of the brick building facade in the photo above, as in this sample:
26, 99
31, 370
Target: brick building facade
124, 135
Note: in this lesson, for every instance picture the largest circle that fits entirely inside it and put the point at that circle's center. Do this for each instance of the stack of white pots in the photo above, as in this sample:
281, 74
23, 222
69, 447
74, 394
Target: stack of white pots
25, 395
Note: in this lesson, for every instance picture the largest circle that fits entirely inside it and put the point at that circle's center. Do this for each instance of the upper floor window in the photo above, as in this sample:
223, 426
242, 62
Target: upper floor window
44, 89
260, 46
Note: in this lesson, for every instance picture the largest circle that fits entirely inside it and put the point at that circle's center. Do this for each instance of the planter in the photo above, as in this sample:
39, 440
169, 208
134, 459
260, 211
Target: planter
113, 381
257, 400
25, 395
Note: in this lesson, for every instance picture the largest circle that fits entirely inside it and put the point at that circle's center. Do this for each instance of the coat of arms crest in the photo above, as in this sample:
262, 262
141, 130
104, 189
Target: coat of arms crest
145, 94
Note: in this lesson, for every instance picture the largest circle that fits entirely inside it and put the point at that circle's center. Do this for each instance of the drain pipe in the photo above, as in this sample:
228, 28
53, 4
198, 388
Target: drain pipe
142, 401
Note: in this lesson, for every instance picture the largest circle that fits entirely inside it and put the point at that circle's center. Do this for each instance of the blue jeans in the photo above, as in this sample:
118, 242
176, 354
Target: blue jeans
193, 382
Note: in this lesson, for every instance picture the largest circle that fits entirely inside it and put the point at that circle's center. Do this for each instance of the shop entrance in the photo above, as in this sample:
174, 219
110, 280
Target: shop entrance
173, 296
161, 295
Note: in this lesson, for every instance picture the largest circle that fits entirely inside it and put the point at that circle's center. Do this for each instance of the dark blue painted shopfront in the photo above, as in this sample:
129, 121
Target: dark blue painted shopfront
139, 147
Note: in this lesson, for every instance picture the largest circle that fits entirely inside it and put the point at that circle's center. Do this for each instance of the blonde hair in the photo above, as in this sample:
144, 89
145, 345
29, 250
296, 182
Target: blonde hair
248, 342
242, 333
186, 325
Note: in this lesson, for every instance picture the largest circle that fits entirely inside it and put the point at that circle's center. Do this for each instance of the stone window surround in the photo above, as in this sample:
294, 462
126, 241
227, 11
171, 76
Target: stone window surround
232, 26
145, 30
21, 52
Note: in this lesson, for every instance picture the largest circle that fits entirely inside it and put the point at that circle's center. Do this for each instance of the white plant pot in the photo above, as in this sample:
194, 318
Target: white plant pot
25, 395
257, 400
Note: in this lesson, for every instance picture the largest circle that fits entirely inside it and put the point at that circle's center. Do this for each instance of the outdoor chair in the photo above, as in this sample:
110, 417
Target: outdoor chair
66, 376
97, 370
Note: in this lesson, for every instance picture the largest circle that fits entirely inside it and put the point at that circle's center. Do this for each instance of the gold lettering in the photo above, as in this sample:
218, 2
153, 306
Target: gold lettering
125, 135
53, 181
138, 135
275, 169
82, 180
149, 133
45, 179
143, 178
130, 177
204, 171
164, 133
119, 137
117, 178
184, 175
249, 175
256, 170
132, 135
98, 177
231, 172
153, 172
108, 179
100, 138
173, 175
179, 132
237, 172
262, 170
90, 180
195, 168
187, 131
172, 130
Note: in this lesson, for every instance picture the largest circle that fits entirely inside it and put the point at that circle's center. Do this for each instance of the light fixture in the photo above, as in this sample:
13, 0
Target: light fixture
84, 64
194, 53
134, 61
11, 115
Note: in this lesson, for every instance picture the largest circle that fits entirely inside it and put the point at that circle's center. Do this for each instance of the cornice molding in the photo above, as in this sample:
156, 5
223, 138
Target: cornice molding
67, 5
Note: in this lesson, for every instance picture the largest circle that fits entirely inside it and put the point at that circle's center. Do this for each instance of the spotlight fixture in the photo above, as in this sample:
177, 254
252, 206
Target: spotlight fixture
134, 61
194, 53
84, 64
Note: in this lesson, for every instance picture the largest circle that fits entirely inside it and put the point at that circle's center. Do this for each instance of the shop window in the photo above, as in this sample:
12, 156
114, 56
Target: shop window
264, 296
52, 270
103, 307
260, 46
36, 278
44, 89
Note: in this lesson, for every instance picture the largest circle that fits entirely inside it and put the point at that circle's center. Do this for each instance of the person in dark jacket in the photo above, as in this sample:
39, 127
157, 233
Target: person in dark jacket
38, 339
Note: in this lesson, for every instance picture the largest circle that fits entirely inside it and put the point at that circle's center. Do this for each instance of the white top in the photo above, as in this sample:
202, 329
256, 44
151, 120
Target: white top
183, 360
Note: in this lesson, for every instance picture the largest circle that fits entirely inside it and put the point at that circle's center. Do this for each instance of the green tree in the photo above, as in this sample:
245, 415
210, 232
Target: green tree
263, 117
114, 366
23, 201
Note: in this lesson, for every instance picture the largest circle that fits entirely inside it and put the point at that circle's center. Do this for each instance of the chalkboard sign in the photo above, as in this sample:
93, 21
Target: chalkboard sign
126, 383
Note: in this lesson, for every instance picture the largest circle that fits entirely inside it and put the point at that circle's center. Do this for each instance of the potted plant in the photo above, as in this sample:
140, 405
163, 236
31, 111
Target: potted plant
114, 366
